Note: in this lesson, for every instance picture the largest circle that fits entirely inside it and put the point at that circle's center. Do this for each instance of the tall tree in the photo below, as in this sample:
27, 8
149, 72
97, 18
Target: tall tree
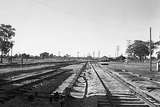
153, 45
138, 49
6, 43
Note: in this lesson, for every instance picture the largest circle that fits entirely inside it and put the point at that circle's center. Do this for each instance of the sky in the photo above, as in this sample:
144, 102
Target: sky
84, 26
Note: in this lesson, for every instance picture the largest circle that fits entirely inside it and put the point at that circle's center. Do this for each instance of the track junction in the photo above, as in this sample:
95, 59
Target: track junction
91, 85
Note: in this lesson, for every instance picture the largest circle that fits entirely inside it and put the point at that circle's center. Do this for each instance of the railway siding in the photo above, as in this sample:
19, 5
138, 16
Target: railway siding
69, 80
140, 83
149, 100
9, 90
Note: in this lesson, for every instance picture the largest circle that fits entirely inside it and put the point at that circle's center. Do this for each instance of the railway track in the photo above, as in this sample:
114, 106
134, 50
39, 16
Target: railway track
32, 64
122, 94
32, 69
46, 71
137, 77
67, 90
117, 92
10, 89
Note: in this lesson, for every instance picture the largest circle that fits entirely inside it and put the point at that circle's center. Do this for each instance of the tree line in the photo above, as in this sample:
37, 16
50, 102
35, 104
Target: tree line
137, 49
140, 49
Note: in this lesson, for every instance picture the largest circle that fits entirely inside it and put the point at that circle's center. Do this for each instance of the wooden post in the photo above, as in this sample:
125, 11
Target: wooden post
150, 65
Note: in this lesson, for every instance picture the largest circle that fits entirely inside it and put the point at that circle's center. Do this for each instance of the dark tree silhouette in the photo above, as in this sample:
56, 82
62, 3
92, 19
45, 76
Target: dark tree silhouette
44, 55
6, 43
138, 49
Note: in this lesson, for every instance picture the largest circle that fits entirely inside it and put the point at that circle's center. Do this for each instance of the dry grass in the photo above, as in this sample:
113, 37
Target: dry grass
138, 68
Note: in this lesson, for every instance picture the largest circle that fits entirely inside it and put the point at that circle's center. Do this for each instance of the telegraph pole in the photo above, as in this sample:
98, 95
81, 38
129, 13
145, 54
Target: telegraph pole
150, 64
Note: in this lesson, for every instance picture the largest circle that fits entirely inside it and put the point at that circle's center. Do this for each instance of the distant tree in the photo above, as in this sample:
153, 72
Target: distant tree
51, 55
120, 58
89, 57
138, 49
110, 59
36, 57
16, 55
6, 43
67, 56
25, 56
153, 46
44, 55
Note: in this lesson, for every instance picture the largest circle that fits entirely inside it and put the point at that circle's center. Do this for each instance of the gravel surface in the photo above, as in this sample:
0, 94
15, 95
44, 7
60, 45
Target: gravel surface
142, 80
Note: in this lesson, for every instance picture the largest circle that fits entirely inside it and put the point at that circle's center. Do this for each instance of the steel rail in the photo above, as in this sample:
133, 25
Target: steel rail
68, 89
18, 71
33, 64
11, 93
33, 76
108, 93
139, 94
35, 82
